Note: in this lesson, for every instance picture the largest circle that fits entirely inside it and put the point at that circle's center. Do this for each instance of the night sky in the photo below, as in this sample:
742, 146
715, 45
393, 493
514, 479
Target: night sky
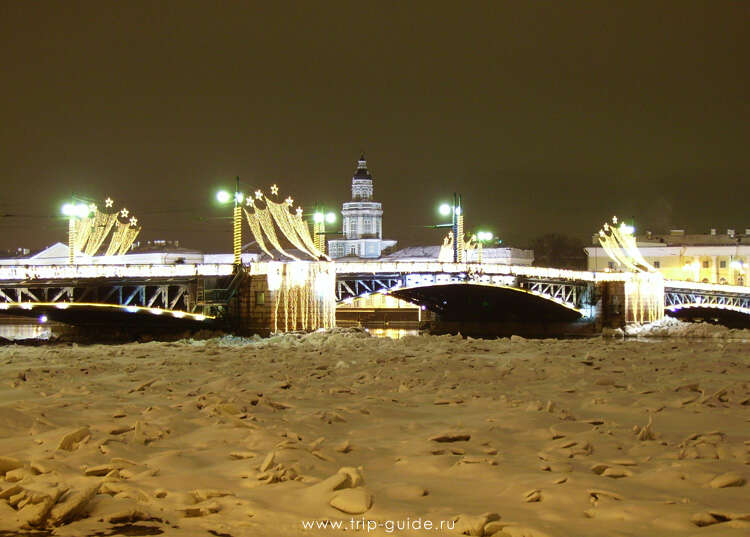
546, 116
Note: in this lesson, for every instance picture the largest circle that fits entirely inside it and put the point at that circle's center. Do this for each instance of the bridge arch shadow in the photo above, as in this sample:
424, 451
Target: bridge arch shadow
729, 316
477, 302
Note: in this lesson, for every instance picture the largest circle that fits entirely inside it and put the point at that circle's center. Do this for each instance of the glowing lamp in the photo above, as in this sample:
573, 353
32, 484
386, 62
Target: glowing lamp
445, 209
484, 236
81, 210
42, 319
331, 218
318, 217
238, 197
458, 210
223, 196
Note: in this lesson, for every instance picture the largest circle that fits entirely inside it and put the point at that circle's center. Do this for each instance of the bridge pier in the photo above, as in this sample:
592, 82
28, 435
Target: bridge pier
637, 298
283, 297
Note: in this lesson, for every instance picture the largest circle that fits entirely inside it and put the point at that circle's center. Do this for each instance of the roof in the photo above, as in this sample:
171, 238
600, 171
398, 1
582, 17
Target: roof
361, 171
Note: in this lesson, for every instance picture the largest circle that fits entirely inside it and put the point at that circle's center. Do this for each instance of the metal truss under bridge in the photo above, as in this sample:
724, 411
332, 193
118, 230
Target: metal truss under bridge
189, 298
683, 295
572, 294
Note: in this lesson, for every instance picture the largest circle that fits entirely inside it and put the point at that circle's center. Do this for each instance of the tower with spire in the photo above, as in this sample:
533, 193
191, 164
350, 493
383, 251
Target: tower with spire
363, 220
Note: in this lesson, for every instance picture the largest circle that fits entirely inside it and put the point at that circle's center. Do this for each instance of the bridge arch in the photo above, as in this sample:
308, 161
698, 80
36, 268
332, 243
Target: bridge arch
476, 301
101, 313
728, 315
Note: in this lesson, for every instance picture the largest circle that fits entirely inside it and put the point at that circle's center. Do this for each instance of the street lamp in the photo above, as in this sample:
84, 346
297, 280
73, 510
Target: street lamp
225, 197
73, 211
457, 225
482, 237
319, 228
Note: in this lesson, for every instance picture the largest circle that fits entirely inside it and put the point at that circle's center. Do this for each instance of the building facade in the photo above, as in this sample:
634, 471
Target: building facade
722, 258
362, 220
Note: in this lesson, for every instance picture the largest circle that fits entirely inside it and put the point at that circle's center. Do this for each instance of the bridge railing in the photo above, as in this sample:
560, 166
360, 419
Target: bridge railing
405, 267
69, 272
707, 287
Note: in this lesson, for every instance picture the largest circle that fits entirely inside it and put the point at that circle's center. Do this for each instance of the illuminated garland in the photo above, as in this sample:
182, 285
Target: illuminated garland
131, 233
446, 249
628, 243
252, 221
116, 240
303, 295
303, 231
82, 233
613, 251
266, 224
283, 219
644, 298
90, 232
103, 224
620, 245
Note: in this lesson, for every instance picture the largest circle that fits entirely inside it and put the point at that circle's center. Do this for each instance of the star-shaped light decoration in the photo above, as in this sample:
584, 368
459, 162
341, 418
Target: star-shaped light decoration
606, 226
92, 207
289, 201
614, 219
124, 213
108, 202
258, 194
249, 201
133, 221
274, 190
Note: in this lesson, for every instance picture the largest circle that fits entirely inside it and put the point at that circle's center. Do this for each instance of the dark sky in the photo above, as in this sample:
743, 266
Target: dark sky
546, 116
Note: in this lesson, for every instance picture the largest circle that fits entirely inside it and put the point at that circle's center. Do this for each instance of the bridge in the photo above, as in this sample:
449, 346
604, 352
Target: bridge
278, 296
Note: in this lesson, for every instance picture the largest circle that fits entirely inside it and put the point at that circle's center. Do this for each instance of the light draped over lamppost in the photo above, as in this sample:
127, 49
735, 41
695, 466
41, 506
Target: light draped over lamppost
73, 211
224, 197
457, 225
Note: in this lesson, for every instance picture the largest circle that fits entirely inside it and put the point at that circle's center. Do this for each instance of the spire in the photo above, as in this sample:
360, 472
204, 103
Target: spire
362, 181
362, 172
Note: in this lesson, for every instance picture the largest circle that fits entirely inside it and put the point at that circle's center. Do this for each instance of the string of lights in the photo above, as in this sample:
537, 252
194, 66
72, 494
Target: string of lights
283, 219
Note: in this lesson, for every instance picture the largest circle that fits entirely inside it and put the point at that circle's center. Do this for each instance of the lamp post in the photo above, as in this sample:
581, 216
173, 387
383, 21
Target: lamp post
457, 226
73, 211
224, 197
482, 237
319, 228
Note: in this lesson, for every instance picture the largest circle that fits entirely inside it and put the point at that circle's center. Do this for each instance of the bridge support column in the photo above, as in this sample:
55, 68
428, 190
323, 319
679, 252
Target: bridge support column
282, 297
637, 299
250, 311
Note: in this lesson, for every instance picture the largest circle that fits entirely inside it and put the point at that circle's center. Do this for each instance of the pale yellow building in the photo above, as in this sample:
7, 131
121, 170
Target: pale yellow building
708, 258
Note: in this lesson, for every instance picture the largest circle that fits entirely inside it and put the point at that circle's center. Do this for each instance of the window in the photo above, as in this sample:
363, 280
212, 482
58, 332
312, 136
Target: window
722, 264
260, 298
657, 264
705, 264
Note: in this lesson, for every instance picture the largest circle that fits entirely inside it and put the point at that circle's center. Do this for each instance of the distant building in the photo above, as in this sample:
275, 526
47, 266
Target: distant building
14, 252
57, 254
500, 256
363, 220
722, 258
154, 245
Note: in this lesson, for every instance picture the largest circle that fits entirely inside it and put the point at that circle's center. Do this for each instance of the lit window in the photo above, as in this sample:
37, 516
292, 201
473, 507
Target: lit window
260, 297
